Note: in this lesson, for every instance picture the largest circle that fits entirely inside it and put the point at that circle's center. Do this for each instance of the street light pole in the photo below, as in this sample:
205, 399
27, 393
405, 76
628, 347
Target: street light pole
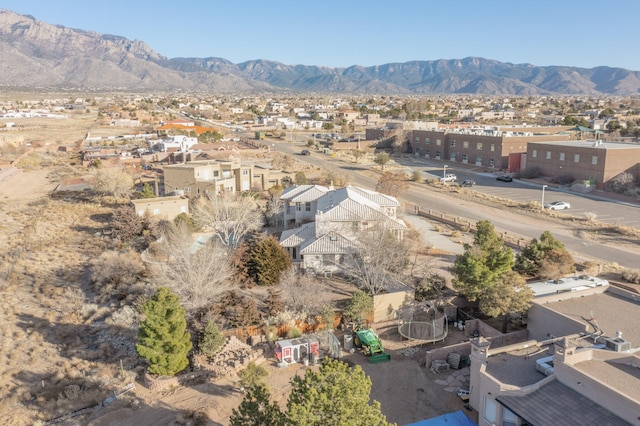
444, 171
543, 187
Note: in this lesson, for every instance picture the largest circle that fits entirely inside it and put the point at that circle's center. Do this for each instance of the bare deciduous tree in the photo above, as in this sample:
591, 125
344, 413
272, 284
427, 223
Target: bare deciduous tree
196, 275
274, 209
300, 292
378, 261
114, 182
230, 218
394, 184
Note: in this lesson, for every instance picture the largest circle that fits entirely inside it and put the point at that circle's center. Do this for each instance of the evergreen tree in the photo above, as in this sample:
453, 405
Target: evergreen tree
162, 338
267, 261
147, 191
252, 375
478, 268
335, 395
256, 409
546, 250
509, 294
213, 339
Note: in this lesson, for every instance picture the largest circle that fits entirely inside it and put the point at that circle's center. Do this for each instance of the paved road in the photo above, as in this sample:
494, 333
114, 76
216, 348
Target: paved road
366, 176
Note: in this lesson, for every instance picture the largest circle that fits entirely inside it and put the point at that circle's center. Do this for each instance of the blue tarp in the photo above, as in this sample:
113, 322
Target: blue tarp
456, 418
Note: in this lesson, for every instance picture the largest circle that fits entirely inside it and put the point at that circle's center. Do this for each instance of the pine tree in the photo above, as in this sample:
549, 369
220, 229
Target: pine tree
256, 409
147, 191
336, 394
482, 263
162, 338
213, 339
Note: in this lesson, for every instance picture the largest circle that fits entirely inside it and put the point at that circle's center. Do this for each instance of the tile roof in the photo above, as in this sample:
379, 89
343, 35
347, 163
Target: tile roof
558, 405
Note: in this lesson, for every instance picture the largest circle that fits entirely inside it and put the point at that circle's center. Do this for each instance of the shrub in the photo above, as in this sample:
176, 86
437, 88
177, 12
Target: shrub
529, 173
631, 276
213, 339
563, 179
294, 332
252, 375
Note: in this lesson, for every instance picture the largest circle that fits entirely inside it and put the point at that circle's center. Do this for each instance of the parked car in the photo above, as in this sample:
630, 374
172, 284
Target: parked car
468, 182
505, 178
448, 178
558, 205
305, 152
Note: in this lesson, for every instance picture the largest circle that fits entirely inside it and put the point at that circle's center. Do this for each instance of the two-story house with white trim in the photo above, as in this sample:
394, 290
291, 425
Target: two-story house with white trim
326, 222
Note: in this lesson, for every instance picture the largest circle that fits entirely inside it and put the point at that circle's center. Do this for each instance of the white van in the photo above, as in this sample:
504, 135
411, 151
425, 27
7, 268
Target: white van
448, 178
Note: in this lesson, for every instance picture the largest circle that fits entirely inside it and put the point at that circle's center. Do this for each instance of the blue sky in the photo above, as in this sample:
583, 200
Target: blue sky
341, 33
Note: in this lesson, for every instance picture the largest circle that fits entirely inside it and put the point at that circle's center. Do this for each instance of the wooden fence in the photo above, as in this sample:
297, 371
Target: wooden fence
244, 334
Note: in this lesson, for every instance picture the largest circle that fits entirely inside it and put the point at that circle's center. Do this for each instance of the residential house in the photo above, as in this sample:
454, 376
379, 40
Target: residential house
174, 143
215, 177
162, 207
326, 222
580, 365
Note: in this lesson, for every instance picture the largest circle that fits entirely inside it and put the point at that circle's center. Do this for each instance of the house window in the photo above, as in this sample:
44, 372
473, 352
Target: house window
328, 259
437, 154
417, 139
215, 173
465, 158
299, 207
576, 158
307, 206
492, 162
492, 147
489, 410
187, 189
438, 142
197, 190
465, 144
548, 155
479, 145
534, 153
426, 141
426, 152
245, 172
509, 418
453, 143
452, 156
594, 159
562, 156
478, 159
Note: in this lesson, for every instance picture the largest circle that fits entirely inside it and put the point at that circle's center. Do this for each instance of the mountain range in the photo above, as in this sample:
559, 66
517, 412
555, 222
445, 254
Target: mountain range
35, 54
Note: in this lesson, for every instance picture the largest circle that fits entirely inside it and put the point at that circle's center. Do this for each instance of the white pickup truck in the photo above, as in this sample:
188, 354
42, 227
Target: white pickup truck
448, 178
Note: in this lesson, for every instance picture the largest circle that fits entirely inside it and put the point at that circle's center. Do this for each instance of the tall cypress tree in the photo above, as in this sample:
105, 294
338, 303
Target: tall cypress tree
162, 338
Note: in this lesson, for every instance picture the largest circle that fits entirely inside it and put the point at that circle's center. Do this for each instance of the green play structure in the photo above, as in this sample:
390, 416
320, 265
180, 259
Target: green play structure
371, 346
